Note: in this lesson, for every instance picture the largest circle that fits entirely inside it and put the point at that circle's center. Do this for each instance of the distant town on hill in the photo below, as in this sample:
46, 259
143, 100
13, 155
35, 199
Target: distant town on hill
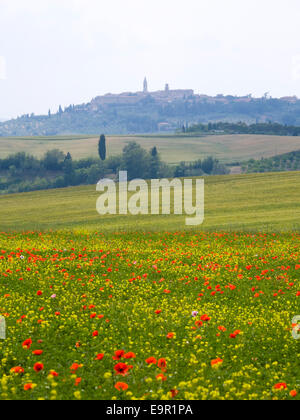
153, 112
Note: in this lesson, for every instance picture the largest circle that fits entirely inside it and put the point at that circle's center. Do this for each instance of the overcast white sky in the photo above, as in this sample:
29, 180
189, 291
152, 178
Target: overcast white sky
68, 51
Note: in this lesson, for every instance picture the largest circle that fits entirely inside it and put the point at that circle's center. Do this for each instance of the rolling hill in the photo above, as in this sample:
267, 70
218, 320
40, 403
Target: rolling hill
173, 149
265, 202
152, 112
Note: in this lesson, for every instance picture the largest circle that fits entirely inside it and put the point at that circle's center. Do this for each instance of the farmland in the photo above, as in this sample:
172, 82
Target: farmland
173, 149
149, 316
125, 308
236, 202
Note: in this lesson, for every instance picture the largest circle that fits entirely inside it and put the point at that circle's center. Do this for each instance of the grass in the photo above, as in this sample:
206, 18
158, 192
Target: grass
125, 308
112, 317
174, 149
251, 202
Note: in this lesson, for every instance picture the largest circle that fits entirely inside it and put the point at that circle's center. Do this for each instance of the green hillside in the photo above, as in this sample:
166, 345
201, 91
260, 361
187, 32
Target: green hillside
173, 149
236, 202
152, 112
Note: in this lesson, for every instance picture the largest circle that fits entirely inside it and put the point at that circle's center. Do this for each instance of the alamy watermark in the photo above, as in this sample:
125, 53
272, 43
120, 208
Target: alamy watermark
139, 197
2, 328
296, 327
2, 68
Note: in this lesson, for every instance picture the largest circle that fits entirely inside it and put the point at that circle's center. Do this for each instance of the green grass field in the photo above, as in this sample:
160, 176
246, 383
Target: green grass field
235, 202
129, 307
174, 149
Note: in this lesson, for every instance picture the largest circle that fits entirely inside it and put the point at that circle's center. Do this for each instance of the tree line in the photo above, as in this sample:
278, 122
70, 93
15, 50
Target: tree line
147, 115
22, 172
285, 162
269, 128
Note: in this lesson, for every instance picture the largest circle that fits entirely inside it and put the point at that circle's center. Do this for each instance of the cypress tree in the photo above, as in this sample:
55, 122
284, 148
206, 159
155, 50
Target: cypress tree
68, 170
102, 147
154, 152
154, 163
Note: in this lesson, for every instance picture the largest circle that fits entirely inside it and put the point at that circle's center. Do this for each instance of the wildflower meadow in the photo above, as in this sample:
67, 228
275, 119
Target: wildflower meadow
150, 316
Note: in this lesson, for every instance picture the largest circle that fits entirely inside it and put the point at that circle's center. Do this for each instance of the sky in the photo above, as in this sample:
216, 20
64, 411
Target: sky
62, 52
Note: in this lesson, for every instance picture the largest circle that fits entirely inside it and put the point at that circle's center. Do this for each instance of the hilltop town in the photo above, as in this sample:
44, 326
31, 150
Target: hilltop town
129, 98
148, 111
169, 95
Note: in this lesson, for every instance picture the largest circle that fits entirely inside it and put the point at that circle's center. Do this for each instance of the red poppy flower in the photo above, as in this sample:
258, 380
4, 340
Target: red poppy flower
174, 393
281, 385
99, 356
53, 373
151, 361
293, 393
118, 355
221, 328
37, 352
121, 369
17, 369
216, 363
27, 344
77, 381
162, 363
235, 334
129, 355
75, 367
38, 367
121, 386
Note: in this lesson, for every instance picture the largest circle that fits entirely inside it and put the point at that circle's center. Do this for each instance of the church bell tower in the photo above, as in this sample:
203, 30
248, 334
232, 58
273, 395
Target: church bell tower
145, 86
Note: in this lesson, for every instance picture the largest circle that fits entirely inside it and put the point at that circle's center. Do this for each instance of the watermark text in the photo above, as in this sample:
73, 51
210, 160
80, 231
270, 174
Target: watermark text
2, 328
155, 197
296, 327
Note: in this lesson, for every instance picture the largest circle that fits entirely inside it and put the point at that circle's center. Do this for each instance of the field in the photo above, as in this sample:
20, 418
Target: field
266, 202
149, 316
141, 308
173, 149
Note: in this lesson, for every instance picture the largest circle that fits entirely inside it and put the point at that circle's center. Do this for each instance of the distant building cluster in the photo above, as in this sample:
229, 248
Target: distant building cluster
166, 95
169, 95
149, 111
